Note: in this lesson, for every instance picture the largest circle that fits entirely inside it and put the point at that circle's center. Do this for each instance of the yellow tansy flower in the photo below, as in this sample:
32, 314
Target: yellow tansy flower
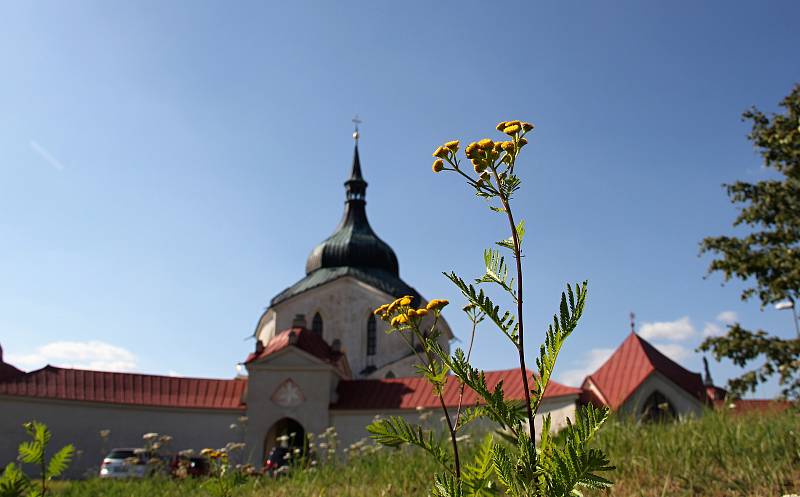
527, 126
411, 313
508, 146
399, 320
522, 142
438, 165
422, 312
501, 125
436, 304
486, 143
511, 129
452, 145
381, 309
440, 152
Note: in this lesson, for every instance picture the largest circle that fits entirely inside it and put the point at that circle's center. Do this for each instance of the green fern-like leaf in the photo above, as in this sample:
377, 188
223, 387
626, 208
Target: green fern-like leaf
31, 452
570, 312
496, 272
506, 322
39, 432
395, 431
446, 485
477, 476
60, 461
13, 482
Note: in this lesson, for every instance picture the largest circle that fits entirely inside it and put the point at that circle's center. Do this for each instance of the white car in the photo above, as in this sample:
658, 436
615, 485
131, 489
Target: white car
124, 463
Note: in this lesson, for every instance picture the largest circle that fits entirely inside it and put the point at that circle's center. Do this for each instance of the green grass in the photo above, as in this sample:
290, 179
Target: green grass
716, 455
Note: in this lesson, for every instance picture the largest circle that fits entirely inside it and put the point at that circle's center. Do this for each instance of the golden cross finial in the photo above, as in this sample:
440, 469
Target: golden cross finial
356, 121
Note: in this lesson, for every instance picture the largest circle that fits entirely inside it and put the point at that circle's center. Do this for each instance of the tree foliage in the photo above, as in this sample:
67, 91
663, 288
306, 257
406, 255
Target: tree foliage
767, 257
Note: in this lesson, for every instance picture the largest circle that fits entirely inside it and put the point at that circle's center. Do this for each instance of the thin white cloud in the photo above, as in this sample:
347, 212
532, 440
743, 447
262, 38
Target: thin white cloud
47, 156
674, 351
727, 317
592, 360
680, 329
95, 355
712, 330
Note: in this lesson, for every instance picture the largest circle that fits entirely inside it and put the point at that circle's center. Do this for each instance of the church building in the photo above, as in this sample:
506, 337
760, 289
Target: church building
320, 359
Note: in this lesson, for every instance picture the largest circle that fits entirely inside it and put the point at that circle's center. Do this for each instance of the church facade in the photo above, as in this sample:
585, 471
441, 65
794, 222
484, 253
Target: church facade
320, 360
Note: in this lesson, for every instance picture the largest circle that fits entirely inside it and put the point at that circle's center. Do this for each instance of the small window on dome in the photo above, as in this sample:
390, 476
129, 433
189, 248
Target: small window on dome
390, 375
372, 336
316, 324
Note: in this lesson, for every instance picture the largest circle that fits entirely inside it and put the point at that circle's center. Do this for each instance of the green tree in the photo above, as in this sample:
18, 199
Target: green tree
767, 258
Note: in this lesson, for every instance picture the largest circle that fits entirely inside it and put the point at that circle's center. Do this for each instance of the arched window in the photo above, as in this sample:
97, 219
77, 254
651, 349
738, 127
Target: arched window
372, 336
657, 408
316, 324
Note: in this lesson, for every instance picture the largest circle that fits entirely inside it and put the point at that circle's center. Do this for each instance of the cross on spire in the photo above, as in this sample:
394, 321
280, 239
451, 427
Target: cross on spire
356, 121
633, 322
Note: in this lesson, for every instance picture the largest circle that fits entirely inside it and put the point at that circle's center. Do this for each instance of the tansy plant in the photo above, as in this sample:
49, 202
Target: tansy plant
521, 463
15, 483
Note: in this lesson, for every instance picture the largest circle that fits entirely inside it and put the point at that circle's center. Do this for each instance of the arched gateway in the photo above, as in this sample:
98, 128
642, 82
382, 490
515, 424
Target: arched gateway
286, 432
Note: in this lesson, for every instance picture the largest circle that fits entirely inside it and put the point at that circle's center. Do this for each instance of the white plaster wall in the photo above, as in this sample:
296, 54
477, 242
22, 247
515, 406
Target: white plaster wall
79, 423
345, 305
684, 404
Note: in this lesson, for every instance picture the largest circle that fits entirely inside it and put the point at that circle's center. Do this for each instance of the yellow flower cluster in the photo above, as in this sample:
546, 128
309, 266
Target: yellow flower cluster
211, 453
511, 128
437, 304
400, 312
445, 152
482, 153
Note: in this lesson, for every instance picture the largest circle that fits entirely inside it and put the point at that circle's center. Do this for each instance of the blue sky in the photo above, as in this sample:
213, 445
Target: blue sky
165, 167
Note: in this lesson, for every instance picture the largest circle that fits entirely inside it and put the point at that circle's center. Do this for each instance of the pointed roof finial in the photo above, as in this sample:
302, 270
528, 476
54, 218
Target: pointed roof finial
633, 322
356, 121
707, 380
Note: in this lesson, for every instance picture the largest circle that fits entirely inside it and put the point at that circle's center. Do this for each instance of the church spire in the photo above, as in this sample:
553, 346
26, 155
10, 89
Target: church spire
707, 381
354, 244
356, 187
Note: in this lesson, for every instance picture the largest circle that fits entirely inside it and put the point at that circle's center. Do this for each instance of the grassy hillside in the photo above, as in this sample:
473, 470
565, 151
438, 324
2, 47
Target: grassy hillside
717, 455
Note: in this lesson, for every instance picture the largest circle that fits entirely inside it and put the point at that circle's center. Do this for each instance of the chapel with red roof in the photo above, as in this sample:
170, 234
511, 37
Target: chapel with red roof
320, 359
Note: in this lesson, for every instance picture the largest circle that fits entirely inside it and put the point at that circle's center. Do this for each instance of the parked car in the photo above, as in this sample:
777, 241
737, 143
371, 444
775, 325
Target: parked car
124, 463
277, 458
195, 465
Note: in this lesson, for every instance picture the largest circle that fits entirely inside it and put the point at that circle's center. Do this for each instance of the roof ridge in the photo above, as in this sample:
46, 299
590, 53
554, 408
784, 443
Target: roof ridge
51, 367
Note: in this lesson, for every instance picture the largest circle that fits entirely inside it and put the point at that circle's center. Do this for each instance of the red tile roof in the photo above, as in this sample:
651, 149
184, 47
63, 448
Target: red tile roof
411, 392
127, 388
631, 364
307, 341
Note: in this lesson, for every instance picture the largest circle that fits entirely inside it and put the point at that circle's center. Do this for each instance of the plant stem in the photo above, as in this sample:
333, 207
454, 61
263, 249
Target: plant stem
453, 441
521, 342
461, 388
